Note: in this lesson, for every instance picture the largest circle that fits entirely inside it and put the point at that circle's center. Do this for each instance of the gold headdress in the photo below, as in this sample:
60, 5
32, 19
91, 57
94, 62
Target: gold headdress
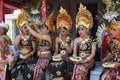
21, 19
116, 25
63, 19
49, 22
84, 17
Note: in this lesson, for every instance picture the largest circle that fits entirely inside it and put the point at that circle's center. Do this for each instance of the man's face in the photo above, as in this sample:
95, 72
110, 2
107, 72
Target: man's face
2, 30
2, 43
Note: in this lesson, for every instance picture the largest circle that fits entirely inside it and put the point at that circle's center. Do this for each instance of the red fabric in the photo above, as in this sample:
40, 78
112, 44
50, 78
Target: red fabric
44, 9
1, 10
104, 46
12, 4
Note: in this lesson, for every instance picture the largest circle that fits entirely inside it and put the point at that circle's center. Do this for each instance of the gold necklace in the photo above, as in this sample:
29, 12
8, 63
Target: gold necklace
83, 41
25, 42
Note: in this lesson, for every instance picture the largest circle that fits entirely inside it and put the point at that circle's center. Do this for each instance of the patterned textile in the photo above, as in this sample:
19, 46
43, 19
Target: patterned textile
83, 50
44, 57
23, 70
6, 61
112, 55
57, 70
62, 50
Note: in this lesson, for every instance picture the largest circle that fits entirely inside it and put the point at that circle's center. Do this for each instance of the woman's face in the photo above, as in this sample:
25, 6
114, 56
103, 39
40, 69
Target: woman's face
63, 32
25, 29
115, 32
82, 31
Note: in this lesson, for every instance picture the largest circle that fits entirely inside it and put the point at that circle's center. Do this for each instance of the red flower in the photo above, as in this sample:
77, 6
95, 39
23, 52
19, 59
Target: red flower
1, 70
4, 57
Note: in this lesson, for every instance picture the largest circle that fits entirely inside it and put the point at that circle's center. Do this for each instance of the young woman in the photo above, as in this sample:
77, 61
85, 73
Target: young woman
63, 43
44, 48
84, 45
113, 54
25, 63
6, 58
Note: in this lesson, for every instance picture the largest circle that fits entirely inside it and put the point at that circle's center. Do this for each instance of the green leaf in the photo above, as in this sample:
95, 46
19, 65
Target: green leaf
104, 1
39, 4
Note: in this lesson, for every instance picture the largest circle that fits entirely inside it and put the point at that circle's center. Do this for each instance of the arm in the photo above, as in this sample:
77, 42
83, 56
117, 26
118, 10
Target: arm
34, 25
34, 33
33, 51
68, 47
56, 46
93, 51
75, 47
17, 40
34, 48
36, 28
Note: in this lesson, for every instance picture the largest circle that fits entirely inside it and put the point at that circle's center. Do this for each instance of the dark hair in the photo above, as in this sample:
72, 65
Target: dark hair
41, 27
61, 28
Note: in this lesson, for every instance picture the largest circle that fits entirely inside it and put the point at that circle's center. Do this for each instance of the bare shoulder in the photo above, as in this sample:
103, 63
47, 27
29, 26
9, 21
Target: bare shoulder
18, 37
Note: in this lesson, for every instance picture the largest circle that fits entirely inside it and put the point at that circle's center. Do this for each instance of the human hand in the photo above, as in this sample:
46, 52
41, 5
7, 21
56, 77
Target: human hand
30, 20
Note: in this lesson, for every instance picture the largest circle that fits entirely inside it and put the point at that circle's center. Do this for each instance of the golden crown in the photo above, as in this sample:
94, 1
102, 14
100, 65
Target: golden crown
84, 17
21, 19
49, 22
63, 19
116, 25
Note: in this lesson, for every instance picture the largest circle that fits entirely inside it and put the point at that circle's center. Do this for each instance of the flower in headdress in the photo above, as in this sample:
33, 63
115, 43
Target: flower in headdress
111, 15
35, 11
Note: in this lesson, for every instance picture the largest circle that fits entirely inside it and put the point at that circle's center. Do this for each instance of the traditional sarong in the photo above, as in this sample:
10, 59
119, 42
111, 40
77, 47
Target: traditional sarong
23, 69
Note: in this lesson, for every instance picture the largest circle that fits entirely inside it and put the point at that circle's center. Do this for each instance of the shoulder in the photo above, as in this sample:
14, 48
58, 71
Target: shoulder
18, 36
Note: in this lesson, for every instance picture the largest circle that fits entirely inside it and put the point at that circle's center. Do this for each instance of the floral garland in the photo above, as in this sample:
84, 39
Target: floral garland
111, 14
107, 17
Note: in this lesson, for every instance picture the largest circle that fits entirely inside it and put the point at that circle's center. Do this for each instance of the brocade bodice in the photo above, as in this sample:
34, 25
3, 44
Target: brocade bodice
61, 45
85, 45
26, 42
114, 50
44, 43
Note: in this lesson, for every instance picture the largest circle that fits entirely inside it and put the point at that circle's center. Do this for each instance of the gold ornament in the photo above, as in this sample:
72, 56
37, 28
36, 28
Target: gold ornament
84, 18
22, 19
58, 73
116, 25
63, 19
49, 22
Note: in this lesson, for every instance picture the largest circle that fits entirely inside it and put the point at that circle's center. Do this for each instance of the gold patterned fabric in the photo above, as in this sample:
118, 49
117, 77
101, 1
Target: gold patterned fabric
24, 68
57, 69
